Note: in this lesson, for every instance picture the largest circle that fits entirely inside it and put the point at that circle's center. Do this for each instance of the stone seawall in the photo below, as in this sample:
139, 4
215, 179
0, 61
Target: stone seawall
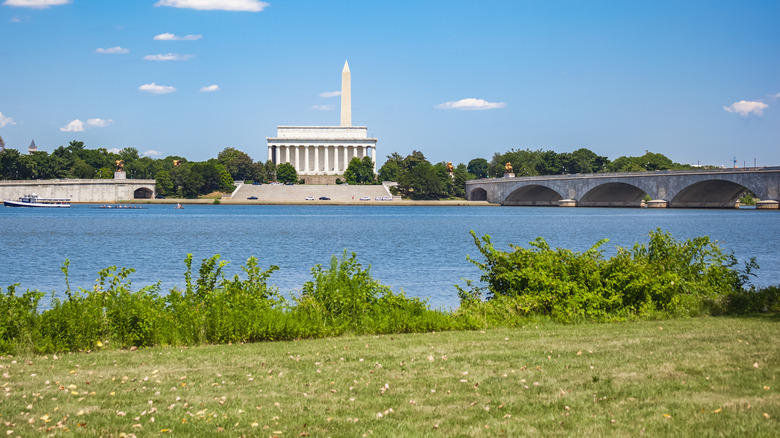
81, 190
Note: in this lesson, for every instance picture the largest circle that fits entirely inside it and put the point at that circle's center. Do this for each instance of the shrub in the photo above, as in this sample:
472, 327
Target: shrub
665, 276
345, 297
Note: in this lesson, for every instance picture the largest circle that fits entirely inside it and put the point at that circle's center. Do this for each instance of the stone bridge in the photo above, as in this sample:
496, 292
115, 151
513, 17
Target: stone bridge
718, 188
81, 190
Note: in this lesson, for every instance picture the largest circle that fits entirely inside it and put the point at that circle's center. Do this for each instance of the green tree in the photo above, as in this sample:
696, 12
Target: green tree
270, 171
413, 159
478, 167
392, 168
105, 173
82, 170
239, 164
128, 155
524, 162
226, 183
285, 173
258, 173
459, 177
163, 183
423, 181
360, 171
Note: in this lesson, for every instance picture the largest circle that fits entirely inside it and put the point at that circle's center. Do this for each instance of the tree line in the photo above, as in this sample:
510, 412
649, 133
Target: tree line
417, 177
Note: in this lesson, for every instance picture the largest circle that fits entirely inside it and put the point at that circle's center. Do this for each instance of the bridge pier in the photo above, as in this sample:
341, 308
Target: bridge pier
567, 203
767, 205
657, 203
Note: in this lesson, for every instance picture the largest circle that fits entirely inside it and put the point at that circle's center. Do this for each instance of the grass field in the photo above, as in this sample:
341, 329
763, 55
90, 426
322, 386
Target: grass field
685, 377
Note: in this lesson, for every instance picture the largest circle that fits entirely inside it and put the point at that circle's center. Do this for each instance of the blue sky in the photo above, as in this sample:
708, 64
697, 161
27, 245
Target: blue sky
698, 81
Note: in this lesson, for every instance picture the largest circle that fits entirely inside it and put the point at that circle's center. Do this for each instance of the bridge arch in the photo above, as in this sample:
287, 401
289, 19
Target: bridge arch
533, 194
143, 193
613, 194
478, 194
711, 193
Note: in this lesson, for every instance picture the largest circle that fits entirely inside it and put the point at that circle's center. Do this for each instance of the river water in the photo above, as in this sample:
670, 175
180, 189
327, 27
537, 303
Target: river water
422, 250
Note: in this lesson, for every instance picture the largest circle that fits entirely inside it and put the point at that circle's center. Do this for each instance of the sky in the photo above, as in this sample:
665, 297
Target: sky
697, 81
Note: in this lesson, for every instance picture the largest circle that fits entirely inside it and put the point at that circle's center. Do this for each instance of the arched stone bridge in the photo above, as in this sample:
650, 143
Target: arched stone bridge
718, 188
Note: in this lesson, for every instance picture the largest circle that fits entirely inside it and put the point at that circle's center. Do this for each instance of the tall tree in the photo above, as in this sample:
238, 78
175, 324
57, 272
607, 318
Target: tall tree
360, 171
392, 169
286, 173
239, 164
478, 167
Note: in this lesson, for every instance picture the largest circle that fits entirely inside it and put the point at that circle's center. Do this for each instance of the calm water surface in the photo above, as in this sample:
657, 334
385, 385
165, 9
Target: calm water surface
421, 250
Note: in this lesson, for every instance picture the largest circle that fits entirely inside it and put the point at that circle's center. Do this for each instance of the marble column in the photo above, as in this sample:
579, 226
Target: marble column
306, 159
270, 152
327, 165
346, 158
316, 159
373, 157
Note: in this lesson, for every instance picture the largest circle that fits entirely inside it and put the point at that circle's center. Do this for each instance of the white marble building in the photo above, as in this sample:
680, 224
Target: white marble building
324, 150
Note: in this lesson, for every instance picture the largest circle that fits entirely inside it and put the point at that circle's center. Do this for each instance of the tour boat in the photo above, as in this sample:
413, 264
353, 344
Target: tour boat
36, 201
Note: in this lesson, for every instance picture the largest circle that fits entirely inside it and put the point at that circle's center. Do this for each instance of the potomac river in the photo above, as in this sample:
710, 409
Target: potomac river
419, 249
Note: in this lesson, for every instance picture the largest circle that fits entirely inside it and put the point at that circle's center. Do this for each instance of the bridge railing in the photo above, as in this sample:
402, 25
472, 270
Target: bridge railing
644, 173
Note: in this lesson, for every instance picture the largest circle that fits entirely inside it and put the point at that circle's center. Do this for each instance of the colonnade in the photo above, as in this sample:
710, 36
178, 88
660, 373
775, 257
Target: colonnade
319, 159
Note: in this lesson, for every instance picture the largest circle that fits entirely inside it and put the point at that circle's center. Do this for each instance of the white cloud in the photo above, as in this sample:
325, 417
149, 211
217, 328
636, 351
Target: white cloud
99, 123
112, 50
210, 88
471, 104
113, 150
6, 121
152, 152
157, 89
36, 4
168, 57
74, 126
747, 107
330, 94
15, 19
323, 107
172, 37
210, 5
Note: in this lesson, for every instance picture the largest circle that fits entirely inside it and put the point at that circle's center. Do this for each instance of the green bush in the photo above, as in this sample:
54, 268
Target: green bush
663, 277
345, 297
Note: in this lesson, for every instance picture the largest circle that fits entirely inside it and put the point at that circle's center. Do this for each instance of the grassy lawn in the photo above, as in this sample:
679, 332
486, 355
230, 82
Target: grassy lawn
693, 377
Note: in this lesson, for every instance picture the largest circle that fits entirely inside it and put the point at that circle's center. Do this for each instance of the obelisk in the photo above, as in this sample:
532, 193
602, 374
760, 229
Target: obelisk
346, 96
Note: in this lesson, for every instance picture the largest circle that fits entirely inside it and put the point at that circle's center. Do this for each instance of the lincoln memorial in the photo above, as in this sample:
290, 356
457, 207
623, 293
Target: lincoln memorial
323, 150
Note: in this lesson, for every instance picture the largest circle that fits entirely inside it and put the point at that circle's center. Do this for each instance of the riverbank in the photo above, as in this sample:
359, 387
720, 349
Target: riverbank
686, 377
228, 201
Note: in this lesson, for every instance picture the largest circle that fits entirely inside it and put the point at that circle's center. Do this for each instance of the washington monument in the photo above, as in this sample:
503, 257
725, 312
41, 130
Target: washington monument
346, 96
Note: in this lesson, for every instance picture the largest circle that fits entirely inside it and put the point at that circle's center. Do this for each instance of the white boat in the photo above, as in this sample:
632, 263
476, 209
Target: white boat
34, 200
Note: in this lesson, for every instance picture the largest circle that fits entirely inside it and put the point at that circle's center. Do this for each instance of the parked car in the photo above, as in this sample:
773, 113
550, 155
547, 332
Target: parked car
310, 198
387, 198
252, 198
365, 198
324, 198
159, 197
257, 183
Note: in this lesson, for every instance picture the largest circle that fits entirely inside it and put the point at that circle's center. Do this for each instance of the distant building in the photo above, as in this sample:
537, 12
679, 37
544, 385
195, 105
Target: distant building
323, 150
32, 148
